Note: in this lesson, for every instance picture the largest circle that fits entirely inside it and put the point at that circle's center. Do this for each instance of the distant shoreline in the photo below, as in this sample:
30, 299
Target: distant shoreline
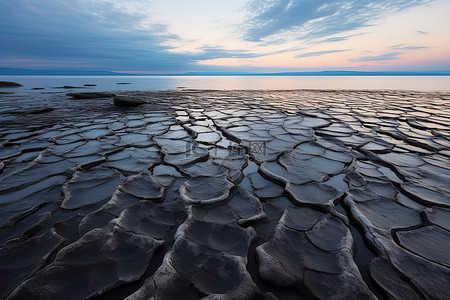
30, 72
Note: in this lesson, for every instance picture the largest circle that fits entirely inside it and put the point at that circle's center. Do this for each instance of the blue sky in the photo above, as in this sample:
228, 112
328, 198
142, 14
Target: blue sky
175, 36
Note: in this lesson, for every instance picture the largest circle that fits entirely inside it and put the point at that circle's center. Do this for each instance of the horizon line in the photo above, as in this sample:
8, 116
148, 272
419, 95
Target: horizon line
31, 72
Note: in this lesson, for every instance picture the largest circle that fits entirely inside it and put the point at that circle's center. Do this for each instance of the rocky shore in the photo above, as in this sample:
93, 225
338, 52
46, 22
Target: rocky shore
225, 195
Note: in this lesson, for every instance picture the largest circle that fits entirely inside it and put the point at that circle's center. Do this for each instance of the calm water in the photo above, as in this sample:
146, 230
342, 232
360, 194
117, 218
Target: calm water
109, 83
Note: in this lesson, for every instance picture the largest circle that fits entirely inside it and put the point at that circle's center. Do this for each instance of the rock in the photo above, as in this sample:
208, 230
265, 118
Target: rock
319, 259
128, 101
143, 186
90, 187
386, 276
243, 209
68, 87
407, 262
208, 138
205, 190
433, 285
388, 214
402, 159
21, 203
314, 194
314, 122
431, 242
29, 176
9, 84
91, 95
103, 258
206, 168
187, 158
148, 219
246, 206
133, 160
236, 191
427, 196
264, 188
41, 110
439, 216
206, 257
118, 202
307, 162
34, 111
33, 254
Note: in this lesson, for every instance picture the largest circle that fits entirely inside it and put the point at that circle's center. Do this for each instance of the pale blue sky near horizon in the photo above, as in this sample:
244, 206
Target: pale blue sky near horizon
174, 36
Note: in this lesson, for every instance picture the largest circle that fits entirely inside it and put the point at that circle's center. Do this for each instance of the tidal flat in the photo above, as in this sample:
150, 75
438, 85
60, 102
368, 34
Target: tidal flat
190, 194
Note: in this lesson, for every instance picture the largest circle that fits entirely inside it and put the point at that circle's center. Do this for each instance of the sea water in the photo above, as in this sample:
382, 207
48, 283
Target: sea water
117, 83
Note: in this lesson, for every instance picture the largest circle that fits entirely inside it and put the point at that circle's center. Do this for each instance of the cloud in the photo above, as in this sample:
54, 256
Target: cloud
406, 47
89, 35
337, 38
208, 52
319, 53
93, 35
334, 39
382, 57
316, 18
421, 32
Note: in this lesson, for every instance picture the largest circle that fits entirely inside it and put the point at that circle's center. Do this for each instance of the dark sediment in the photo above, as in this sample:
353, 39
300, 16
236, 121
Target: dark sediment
226, 195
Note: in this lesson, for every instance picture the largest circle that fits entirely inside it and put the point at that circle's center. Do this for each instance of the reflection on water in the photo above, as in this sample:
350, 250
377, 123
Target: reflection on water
114, 83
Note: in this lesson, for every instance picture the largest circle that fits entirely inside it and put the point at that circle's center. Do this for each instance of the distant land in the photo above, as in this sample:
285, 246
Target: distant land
13, 71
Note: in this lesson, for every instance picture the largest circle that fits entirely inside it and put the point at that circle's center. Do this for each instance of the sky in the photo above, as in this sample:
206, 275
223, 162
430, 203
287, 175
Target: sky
178, 36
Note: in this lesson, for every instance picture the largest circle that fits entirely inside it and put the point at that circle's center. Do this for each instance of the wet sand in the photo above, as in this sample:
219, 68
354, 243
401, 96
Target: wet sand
226, 194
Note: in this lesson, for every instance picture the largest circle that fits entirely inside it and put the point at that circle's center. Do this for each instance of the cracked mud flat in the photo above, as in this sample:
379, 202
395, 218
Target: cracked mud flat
226, 195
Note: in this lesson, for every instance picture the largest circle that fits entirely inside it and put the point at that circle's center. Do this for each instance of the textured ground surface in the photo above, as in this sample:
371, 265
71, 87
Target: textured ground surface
226, 195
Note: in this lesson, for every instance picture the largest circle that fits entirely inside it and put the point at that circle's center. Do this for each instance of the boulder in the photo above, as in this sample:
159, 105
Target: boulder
90, 95
41, 110
9, 84
128, 101
68, 87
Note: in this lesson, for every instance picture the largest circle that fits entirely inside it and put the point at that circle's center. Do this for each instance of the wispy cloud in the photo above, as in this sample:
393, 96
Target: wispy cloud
334, 39
337, 38
319, 53
209, 52
319, 18
406, 47
381, 57
421, 32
